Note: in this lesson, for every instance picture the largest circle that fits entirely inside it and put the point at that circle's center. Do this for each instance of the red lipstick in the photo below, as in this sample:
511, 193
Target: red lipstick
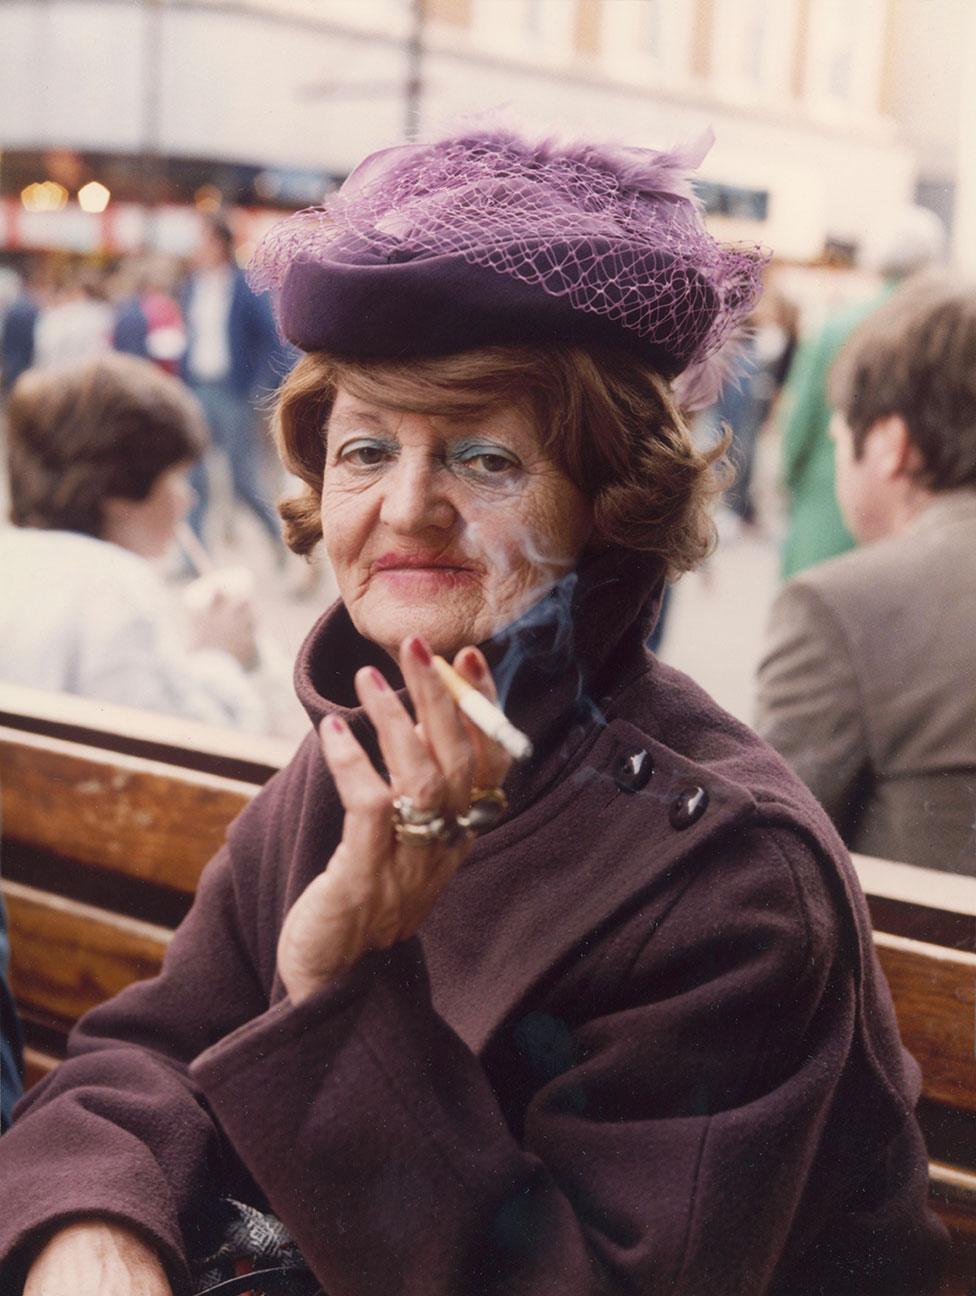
408, 561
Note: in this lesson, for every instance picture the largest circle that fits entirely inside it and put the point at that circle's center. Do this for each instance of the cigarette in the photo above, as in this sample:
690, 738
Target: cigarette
487, 717
194, 550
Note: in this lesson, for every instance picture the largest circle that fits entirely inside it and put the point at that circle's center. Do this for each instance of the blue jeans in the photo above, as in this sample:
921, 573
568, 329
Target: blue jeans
11, 1048
233, 431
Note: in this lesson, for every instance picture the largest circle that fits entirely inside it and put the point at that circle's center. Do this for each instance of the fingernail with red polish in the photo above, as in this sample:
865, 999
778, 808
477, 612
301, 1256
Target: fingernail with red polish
420, 650
474, 665
337, 724
377, 679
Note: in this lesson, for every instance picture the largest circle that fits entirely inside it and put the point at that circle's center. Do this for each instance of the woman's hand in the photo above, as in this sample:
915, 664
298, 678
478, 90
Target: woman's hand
96, 1258
377, 891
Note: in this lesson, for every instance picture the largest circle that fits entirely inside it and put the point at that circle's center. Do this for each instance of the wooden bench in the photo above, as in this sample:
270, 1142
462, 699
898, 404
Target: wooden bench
925, 936
108, 816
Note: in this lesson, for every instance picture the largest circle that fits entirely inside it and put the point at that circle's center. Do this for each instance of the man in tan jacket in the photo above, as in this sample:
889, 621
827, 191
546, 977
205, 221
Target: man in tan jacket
868, 683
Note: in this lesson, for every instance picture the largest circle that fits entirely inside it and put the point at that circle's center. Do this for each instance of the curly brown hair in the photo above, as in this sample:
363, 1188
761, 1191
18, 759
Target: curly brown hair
102, 429
609, 422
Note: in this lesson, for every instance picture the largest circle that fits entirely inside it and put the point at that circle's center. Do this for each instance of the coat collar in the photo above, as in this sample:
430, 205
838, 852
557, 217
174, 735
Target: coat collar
945, 508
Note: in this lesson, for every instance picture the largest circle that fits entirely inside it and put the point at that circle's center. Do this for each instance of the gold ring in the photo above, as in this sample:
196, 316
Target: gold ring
488, 804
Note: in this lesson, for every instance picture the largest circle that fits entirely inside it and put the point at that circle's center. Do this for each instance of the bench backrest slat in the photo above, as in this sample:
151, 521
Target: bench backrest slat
934, 990
71, 956
150, 821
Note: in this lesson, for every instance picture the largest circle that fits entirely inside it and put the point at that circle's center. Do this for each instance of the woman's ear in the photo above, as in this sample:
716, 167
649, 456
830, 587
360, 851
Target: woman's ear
115, 513
119, 521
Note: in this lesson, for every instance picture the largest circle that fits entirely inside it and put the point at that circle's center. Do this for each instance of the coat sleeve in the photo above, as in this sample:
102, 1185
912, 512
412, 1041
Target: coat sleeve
809, 705
119, 1130
666, 1144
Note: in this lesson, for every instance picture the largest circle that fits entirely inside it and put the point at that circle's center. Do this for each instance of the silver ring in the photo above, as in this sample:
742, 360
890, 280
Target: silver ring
406, 811
415, 827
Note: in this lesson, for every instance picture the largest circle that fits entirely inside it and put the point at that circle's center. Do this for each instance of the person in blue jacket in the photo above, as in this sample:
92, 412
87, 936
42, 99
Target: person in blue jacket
233, 354
17, 329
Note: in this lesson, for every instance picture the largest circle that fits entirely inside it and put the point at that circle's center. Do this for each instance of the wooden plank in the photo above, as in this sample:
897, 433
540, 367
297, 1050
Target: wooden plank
121, 813
252, 758
920, 903
66, 957
934, 990
37, 1065
923, 887
955, 1185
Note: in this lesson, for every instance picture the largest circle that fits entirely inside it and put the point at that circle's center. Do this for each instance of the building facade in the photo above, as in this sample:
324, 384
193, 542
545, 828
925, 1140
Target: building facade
267, 103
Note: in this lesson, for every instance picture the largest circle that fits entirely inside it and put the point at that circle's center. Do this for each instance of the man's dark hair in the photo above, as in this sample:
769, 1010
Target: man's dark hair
219, 227
916, 357
104, 429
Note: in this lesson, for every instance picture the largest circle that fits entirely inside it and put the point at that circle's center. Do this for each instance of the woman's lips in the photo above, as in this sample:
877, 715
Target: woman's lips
418, 569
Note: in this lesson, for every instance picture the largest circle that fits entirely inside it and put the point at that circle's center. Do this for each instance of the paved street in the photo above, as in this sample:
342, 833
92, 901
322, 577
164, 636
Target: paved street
718, 621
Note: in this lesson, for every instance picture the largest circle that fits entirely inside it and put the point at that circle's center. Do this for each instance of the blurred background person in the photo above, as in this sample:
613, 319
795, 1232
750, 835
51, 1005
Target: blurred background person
913, 239
233, 356
747, 398
866, 686
98, 459
148, 319
19, 327
76, 323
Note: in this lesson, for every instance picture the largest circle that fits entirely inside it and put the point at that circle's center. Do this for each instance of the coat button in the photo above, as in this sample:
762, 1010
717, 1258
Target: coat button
632, 772
688, 807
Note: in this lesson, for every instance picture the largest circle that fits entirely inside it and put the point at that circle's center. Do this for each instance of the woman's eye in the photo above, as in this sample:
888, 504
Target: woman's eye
488, 463
365, 455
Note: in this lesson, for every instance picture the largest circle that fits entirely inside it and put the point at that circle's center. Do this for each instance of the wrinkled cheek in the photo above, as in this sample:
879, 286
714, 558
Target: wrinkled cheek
508, 594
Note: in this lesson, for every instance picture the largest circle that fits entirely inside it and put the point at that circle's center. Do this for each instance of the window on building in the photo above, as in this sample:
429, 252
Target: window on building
373, 14
843, 55
752, 47
649, 33
733, 200
647, 40
537, 29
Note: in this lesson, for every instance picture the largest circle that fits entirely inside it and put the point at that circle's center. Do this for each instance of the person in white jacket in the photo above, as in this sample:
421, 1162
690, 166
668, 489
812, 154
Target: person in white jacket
98, 456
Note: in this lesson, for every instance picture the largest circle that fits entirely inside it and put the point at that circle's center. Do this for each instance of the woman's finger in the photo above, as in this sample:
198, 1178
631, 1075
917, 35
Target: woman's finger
447, 737
470, 663
413, 769
364, 795
492, 762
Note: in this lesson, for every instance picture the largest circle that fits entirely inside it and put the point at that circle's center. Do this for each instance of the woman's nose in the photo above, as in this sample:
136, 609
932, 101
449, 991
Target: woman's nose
417, 498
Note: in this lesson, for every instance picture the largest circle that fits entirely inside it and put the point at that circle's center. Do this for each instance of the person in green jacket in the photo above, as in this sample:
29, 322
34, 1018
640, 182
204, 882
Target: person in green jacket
815, 528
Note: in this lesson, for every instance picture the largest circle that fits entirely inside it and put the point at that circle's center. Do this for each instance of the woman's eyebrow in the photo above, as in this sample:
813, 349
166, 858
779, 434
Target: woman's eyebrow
351, 420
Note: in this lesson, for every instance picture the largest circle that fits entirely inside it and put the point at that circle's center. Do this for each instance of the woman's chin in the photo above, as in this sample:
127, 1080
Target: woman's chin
445, 635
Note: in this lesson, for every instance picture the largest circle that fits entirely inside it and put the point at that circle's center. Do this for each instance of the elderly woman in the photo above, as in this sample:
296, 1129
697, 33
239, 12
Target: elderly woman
624, 1034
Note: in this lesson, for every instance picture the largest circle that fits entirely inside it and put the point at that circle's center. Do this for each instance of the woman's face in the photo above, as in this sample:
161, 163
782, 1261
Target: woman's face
447, 528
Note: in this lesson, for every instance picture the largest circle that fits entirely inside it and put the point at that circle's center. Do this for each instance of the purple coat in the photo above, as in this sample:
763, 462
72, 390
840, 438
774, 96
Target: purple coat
641, 1045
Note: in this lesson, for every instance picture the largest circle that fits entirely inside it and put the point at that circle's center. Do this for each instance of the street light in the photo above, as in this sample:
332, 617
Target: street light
93, 197
44, 196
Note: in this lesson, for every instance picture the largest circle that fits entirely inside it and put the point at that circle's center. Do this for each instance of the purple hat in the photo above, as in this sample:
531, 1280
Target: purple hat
486, 238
